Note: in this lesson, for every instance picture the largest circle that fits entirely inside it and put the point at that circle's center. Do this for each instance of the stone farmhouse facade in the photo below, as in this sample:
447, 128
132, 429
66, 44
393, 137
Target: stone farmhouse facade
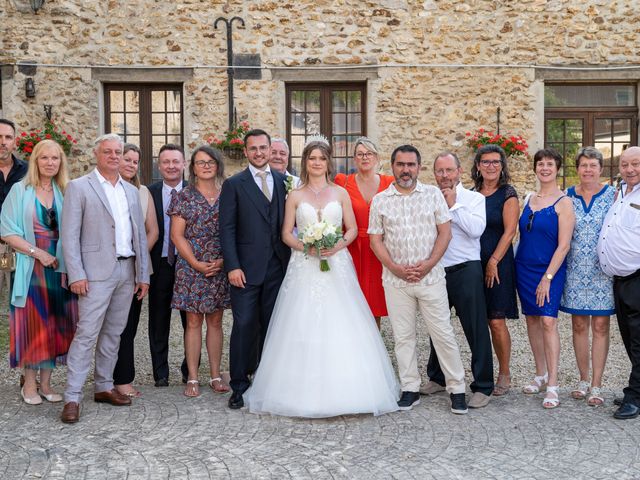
562, 73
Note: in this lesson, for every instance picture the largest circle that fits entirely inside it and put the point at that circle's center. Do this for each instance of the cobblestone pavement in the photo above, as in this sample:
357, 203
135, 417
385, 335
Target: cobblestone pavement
166, 435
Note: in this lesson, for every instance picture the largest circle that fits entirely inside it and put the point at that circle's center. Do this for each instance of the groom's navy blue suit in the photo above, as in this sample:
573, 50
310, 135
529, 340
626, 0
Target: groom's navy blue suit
250, 233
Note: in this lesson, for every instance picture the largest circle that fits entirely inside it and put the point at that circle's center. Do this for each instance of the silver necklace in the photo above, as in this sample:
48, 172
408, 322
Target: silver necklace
317, 192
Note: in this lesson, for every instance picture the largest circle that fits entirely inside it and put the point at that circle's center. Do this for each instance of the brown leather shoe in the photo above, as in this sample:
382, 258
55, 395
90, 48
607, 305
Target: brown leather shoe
113, 397
70, 413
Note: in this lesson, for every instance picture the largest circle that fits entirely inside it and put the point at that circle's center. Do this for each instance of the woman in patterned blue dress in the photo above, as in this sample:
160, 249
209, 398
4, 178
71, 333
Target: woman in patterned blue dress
588, 292
546, 226
201, 287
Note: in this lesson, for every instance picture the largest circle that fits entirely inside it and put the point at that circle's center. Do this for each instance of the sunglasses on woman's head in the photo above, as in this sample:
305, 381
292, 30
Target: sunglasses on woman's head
530, 224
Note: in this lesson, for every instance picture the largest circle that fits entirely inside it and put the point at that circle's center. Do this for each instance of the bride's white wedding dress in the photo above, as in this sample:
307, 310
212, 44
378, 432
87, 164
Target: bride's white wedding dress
323, 355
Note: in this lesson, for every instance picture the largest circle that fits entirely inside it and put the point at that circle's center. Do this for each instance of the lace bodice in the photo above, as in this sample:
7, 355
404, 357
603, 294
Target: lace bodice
307, 214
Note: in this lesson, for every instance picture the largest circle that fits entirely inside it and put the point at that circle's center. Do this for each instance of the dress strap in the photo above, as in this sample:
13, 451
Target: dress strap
559, 198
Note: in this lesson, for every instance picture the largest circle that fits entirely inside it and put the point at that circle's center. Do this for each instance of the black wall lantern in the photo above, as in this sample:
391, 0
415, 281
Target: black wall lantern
36, 5
30, 88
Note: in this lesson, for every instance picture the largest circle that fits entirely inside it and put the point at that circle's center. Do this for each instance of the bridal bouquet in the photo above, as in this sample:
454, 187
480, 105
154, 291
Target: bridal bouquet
320, 235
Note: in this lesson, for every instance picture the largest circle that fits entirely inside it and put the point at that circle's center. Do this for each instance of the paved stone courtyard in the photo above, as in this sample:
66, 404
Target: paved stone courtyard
166, 435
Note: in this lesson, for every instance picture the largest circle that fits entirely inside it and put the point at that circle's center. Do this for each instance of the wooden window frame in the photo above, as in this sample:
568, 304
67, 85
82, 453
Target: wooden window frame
588, 115
145, 110
326, 107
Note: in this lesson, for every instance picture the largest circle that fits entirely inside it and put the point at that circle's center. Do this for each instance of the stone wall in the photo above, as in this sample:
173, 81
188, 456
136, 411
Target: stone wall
428, 90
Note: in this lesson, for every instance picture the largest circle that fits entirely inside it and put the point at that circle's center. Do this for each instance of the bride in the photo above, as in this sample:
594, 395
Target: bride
323, 355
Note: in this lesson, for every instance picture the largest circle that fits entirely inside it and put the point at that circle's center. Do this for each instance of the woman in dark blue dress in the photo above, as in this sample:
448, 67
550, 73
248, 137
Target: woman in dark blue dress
546, 226
491, 177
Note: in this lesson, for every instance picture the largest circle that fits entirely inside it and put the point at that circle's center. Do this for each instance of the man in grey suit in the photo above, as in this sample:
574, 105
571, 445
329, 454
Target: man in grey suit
105, 253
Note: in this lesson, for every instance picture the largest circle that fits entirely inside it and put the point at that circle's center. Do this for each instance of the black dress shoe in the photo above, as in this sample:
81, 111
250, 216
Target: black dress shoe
618, 401
236, 401
627, 411
162, 382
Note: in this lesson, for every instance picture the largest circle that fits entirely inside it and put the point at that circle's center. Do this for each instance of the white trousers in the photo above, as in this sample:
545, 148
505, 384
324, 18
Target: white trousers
403, 304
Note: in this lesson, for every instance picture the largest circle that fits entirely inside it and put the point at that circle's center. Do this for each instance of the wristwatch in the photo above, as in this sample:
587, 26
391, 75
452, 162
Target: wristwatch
548, 276
32, 251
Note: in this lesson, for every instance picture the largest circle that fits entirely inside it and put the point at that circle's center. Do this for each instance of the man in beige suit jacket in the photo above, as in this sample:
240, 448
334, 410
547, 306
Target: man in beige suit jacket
105, 249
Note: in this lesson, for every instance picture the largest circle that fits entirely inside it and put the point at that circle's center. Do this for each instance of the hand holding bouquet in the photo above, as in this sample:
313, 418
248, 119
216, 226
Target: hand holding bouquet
321, 236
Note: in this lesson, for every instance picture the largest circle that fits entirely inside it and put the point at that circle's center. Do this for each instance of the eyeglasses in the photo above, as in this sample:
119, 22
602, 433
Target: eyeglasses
361, 155
50, 218
530, 224
446, 171
493, 163
203, 163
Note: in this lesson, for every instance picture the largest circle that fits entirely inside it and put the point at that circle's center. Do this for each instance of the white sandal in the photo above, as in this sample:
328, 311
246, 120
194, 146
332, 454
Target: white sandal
580, 392
192, 389
551, 399
595, 398
539, 382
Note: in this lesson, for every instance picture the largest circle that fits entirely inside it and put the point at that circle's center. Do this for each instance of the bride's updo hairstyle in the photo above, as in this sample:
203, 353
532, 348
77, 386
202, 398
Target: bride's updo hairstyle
324, 147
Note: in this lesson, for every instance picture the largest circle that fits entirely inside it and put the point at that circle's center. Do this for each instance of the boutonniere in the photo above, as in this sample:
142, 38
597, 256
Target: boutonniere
288, 184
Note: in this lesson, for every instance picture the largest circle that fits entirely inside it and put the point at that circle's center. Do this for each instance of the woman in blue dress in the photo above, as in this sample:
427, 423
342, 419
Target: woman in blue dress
588, 292
546, 226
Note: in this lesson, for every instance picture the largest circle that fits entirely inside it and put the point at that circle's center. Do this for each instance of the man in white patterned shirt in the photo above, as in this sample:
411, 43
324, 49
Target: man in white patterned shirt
409, 229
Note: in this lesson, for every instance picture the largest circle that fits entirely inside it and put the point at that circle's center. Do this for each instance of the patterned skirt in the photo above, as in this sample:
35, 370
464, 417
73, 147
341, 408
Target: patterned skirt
41, 331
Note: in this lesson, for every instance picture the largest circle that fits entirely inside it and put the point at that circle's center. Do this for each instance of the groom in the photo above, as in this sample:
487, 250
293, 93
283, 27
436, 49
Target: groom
255, 258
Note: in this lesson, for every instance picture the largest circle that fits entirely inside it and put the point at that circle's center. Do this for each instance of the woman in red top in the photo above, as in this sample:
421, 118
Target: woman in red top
362, 186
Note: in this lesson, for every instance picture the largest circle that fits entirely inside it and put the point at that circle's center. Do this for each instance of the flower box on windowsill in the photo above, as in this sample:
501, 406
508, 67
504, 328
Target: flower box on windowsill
235, 154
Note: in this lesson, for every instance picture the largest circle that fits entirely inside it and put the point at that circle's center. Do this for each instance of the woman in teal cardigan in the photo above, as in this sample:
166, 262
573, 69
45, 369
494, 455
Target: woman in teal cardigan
43, 312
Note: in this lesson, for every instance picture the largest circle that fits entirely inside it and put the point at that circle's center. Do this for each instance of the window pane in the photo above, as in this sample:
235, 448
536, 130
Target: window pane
353, 123
339, 123
157, 142
354, 104
602, 129
555, 130
117, 123
605, 149
158, 123
173, 123
297, 123
295, 166
589, 95
313, 101
116, 100
135, 139
341, 165
313, 123
175, 139
574, 130
297, 101
297, 144
339, 146
339, 101
157, 101
350, 146
622, 130
132, 101
133, 123
173, 101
